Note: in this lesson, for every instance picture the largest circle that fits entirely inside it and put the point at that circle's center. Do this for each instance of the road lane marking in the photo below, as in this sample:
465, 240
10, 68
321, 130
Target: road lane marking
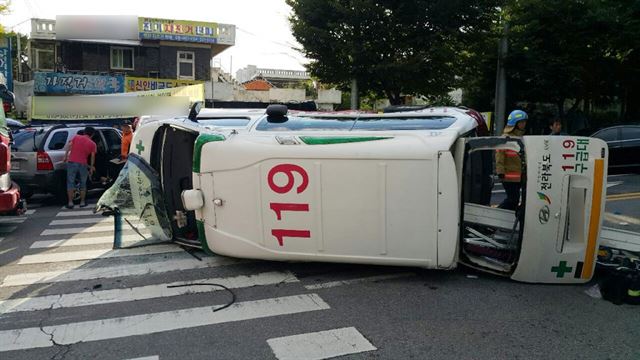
79, 241
320, 345
332, 284
636, 197
623, 195
30, 212
142, 292
155, 357
53, 257
145, 324
621, 218
156, 267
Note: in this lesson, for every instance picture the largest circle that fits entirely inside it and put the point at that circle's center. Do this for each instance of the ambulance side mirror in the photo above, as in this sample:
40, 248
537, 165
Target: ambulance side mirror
195, 110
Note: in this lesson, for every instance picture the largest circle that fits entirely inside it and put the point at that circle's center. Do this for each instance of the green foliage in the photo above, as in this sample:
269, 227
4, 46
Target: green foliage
573, 49
391, 47
4, 9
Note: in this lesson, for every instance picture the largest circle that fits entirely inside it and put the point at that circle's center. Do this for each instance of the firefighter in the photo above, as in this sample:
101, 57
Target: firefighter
508, 162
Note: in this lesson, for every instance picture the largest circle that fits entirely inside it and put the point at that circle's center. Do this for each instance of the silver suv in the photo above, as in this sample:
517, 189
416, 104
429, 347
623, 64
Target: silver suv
38, 154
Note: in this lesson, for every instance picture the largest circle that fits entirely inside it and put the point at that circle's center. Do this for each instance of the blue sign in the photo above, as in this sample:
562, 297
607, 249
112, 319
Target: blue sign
5, 65
62, 83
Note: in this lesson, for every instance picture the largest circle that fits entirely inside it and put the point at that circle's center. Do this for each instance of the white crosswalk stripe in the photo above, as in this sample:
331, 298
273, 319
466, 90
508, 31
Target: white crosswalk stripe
155, 267
320, 345
29, 338
52, 257
75, 213
53, 264
83, 230
141, 293
79, 241
81, 221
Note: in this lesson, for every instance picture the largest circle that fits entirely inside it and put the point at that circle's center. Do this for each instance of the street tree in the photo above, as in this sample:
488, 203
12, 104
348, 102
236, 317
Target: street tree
4, 9
585, 51
392, 48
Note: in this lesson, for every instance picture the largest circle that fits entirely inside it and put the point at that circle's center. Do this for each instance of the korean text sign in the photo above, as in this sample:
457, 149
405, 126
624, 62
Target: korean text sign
178, 30
60, 83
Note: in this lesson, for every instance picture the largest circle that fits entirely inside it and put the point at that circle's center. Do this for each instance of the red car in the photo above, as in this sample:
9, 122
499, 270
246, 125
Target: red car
10, 201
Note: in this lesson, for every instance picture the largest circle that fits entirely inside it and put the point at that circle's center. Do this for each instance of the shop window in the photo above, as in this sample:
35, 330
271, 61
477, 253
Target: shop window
121, 58
186, 65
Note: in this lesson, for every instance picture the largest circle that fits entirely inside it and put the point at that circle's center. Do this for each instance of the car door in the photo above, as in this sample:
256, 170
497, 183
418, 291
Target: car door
612, 137
113, 142
630, 140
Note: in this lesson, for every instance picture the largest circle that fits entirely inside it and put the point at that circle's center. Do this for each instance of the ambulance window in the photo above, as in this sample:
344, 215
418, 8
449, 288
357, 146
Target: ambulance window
420, 123
306, 123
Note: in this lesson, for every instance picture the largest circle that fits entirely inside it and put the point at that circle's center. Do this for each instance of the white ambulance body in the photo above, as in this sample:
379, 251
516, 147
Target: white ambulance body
403, 189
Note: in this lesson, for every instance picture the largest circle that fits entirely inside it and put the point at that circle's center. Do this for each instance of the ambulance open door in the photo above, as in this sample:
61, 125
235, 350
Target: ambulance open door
566, 187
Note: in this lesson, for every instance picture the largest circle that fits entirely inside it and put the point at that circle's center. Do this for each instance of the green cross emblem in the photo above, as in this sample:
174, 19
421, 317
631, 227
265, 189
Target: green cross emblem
140, 147
561, 269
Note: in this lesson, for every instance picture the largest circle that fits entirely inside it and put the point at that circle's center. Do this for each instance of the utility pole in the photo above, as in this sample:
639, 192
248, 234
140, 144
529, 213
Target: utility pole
355, 100
501, 83
19, 57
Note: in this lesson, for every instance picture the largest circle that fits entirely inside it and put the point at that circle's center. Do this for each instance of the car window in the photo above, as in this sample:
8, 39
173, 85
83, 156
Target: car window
231, 122
25, 141
100, 147
420, 123
607, 134
306, 123
58, 140
630, 133
113, 139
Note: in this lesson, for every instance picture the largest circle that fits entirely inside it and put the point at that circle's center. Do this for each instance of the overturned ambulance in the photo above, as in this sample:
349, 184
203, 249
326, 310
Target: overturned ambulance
415, 188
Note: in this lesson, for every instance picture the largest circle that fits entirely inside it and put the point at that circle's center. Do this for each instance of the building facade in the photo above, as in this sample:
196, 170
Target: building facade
69, 56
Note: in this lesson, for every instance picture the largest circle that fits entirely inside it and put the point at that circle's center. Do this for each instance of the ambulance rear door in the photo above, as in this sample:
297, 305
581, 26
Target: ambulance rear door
565, 188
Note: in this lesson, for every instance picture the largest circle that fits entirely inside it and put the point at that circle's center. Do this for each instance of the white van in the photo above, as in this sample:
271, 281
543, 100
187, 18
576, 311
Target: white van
414, 188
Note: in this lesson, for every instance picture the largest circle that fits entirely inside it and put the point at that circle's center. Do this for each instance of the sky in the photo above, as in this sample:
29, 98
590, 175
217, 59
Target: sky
263, 34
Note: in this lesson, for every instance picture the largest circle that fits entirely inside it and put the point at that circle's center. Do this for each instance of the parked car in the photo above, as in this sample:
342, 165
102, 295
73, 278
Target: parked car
39, 154
624, 146
15, 125
10, 200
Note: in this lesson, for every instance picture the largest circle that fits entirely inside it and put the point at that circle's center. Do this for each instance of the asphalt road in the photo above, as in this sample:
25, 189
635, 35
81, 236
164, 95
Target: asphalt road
65, 294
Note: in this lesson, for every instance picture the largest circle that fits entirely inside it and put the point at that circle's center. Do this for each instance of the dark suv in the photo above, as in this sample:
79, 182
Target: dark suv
38, 158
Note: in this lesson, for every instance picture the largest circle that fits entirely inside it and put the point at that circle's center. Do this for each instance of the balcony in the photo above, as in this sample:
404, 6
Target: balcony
43, 29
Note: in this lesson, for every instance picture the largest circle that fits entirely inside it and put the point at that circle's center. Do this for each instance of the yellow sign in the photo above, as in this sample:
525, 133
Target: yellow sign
143, 84
178, 30
193, 92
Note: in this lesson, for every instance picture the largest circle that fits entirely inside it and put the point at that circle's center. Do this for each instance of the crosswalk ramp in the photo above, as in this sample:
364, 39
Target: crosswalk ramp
57, 293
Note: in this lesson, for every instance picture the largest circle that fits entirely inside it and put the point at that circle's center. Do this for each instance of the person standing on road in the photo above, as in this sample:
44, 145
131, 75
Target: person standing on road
80, 149
127, 134
508, 162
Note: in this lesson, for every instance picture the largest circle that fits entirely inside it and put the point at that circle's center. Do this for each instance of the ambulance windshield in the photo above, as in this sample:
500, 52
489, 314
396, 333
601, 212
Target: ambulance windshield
370, 123
137, 195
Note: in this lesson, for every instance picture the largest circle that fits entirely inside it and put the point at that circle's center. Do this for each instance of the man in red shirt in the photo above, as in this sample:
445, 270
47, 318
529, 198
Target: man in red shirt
81, 147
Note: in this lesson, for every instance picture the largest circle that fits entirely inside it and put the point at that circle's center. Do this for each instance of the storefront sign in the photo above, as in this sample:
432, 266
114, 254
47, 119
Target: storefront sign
5, 62
58, 83
178, 30
144, 84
